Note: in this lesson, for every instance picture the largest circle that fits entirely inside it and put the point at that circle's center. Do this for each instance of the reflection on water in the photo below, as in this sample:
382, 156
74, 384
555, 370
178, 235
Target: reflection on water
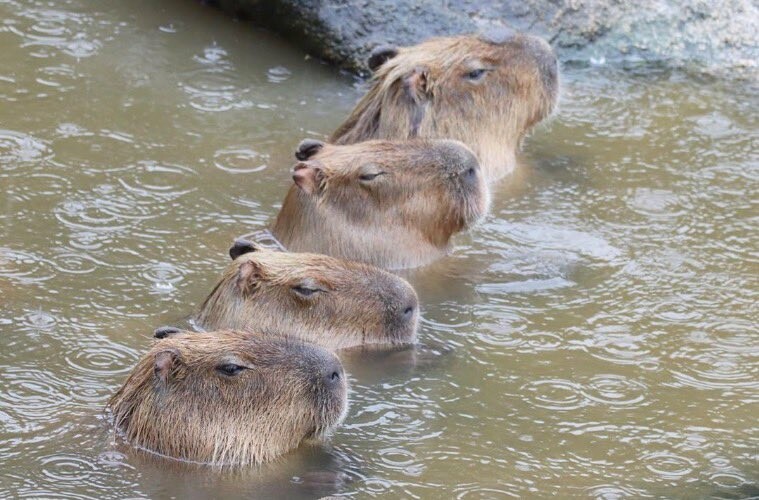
595, 336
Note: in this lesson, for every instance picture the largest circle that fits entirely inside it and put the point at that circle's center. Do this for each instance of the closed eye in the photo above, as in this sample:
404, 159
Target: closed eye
305, 291
230, 369
477, 74
369, 177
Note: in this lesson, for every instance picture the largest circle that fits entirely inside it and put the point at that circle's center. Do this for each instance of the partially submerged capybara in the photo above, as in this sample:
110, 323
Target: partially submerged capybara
230, 397
487, 91
331, 302
393, 204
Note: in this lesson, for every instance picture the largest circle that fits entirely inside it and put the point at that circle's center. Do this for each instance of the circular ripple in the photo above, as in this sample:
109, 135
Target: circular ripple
23, 266
114, 458
18, 147
621, 347
171, 27
483, 492
90, 392
561, 395
93, 152
62, 77
32, 392
397, 457
727, 480
108, 212
29, 186
163, 276
498, 336
52, 31
75, 263
81, 47
667, 465
278, 74
87, 240
215, 90
100, 357
715, 370
67, 467
240, 160
149, 178
541, 341
610, 492
38, 320
655, 203
615, 390
213, 55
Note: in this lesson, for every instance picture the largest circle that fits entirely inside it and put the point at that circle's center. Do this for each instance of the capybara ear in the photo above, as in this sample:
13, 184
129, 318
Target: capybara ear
241, 246
308, 148
248, 277
164, 364
415, 83
308, 176
379, 55
497, 35
165, 331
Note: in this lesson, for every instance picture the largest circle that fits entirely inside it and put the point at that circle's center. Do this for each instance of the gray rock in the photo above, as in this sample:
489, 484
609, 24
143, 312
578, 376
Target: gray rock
711, 35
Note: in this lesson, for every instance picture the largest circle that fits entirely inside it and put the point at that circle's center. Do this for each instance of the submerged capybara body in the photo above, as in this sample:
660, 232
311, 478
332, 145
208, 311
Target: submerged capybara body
487, 91
392, 204
229, 397
316, 298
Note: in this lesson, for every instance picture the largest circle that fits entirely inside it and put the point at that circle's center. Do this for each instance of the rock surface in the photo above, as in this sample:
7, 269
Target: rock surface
711, 35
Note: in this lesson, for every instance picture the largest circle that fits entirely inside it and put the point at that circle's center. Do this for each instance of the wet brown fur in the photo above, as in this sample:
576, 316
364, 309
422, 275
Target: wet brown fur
404, 218
176, 402
424, 92
355, 304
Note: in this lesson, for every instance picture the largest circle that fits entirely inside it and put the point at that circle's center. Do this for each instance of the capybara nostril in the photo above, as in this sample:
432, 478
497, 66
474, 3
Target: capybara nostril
408, 313
332, 375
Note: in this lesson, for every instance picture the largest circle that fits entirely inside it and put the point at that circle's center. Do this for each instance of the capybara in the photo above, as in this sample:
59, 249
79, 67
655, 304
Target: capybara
485, 90
392, 204
230, 398
331, 302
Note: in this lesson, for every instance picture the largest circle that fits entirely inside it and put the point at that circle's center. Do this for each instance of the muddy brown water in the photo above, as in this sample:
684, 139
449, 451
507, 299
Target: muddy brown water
596, 336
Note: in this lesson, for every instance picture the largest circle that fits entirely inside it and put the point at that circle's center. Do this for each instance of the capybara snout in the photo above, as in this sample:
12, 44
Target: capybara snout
229, 397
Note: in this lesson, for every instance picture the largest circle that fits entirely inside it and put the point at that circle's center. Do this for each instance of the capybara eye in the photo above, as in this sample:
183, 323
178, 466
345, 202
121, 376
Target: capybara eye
305, 291
369, 177
476, 74
230, 369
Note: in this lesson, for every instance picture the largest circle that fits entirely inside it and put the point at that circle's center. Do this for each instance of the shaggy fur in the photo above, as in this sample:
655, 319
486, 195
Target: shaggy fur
176, 402
426, 191
353, 305
427, 91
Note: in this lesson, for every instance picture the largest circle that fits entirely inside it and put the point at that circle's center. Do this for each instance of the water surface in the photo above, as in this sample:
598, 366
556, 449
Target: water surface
596, 336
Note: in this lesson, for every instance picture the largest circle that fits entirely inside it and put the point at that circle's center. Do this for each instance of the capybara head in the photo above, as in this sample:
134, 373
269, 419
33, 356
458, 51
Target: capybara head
487, 91
229, 397
331, 302
393, 204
